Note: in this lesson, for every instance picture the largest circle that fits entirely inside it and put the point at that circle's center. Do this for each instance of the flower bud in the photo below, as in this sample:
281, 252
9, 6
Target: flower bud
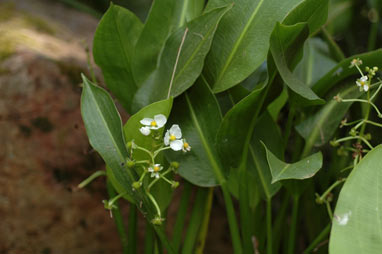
136, 185
174, 184
130, 164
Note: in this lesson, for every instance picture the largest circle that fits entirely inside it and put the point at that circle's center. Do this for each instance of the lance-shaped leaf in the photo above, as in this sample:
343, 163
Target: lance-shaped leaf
242, 40
198, 115
161, 191
113, 45
320, 127
342, 71
281, 36
303, 169
357, 219
104, 129
158, 26
191, 59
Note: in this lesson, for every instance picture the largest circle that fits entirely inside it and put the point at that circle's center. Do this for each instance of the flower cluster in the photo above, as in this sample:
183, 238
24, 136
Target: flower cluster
364, 81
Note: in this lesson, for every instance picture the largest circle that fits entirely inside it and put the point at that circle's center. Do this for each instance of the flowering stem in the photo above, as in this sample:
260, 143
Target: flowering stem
148, 152
355, 137
91, 178
157, 179
335, 184
269, 226
373, 123
154, 203
329, 210
160, 150
376, 92
142, 176
359, 69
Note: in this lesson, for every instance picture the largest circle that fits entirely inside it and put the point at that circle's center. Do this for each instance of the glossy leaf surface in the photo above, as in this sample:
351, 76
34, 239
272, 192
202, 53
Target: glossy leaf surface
357, 218
198, 115
191, 59
242, 40
114, 41
303, 169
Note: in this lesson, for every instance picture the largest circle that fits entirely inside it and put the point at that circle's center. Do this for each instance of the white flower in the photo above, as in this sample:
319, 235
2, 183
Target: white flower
173, 138
363, 84
186, 146
154, 170
152, 124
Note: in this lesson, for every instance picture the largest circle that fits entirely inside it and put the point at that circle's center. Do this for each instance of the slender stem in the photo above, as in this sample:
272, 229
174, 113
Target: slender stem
368, 113
318, 239
373, 123
91, 178
373, 34
118, 219
149, 239
335, 184
160, 150
279, 222
365, 101
132, 229
269, 226
292, 232
376, 92
176, 62
154, 203
355, 137
206, 220
148, 152
181, 216
289, 125
157, 179
329, 210
234, 229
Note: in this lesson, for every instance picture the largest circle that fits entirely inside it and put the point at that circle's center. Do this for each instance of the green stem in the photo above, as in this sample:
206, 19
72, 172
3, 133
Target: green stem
160, 150
279, 222
157, 179
154, 203
355, 137
289, 125
329, 210
118, 219
292, 232
335, 184
195, 221
373, 36
132, 229
91, 178
206, 220
149, 239
368, 113
181, 216
269, 226
333, 47
318, 239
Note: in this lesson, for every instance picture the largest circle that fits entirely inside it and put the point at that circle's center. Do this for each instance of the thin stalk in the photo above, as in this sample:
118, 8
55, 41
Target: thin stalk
328, 207
132, 229
318, 239
149, 239
293, 227
368, 113
289, 125
279, 222
269, 226
91, 178
334, 48
335, 184
181, 216
245, 216
206, 220
372, 41
118, 219
355, 137
195, 221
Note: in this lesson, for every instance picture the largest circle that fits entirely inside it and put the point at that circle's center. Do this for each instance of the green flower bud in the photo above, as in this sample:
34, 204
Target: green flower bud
130, 164
174, 164
334, 143
367, 136
157, 220
174, 184
137, 185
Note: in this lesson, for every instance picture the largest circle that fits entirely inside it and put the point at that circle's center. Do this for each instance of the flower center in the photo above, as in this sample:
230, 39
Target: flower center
153, 124
172, 137
186, 145
156, 168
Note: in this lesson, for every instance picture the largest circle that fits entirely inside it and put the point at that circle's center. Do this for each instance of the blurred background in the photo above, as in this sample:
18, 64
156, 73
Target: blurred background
44, 151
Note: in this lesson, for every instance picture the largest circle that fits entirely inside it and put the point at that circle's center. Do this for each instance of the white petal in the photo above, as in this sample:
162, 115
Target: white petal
146, 121
176, 131
363, 78
161, 120
145, 130
166, 138
150, 169
365, 87
176, 145
358, 83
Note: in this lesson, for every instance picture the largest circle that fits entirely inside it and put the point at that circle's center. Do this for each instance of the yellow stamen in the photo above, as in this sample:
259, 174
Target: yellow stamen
153, 124
172, 137
186, 145
156, 168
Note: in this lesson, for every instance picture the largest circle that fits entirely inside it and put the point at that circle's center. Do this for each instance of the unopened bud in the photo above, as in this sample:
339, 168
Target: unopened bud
174, 185
130, 164
136, 185
174, 164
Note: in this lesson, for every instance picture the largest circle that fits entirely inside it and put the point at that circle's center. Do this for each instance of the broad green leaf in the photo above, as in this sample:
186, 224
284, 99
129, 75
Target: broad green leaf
342, 71
265, 130
303, 169
315, 63
114, 40
275, 106
242, 40
104, 129
117, 186
281, 36
188, 10
357, 226
195, 48
198, 115
161, 190
158, 26
320, 127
